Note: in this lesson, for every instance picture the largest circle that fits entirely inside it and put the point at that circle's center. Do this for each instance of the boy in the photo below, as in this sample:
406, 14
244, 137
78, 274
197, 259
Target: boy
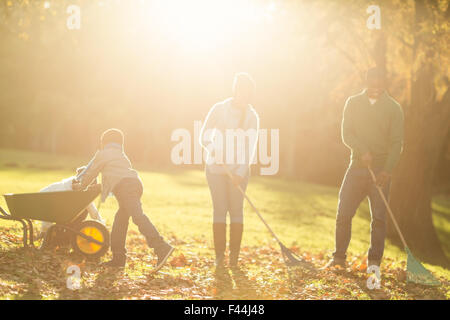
119, 178
66, 185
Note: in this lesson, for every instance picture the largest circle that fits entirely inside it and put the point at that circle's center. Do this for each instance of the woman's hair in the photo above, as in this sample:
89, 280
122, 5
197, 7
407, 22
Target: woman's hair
243, 81
112, 136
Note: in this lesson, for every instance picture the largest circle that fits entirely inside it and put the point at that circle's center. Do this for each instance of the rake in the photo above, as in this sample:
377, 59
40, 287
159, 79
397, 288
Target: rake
290, 258
415, 271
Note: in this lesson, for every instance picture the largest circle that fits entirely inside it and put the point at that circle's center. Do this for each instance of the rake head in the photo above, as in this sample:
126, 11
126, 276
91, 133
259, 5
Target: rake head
292, 260
416, 272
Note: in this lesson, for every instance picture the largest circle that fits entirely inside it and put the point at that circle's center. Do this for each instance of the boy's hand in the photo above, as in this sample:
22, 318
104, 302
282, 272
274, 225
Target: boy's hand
76, 186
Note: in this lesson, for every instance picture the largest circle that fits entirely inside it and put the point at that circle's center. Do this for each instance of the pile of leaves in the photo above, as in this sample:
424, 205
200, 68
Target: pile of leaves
190, 274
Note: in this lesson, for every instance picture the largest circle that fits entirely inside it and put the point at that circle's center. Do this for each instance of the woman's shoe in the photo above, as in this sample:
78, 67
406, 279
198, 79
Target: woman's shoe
236, 230
220, 242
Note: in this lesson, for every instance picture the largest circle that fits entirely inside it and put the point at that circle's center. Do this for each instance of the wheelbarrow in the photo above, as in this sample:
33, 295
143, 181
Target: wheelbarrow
67, 210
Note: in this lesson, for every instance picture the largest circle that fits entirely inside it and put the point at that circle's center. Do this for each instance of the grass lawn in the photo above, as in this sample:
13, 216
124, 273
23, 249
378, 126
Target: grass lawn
178, 203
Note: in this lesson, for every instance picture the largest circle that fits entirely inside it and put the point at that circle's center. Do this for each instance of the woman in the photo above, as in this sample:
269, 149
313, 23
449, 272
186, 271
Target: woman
229, 135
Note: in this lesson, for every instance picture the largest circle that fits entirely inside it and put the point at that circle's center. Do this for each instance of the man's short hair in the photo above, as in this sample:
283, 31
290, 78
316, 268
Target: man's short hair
245, 81
376, 73
112, 136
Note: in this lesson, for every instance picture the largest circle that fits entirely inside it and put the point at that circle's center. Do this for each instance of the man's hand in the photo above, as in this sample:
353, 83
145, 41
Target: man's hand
382, 178
366, 159
237, 180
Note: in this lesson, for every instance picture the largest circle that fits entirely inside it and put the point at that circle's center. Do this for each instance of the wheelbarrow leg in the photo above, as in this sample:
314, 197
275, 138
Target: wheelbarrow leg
25, 233
31, 232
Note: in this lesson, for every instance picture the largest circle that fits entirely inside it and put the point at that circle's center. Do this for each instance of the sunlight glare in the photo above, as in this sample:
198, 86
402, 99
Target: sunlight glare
205, 24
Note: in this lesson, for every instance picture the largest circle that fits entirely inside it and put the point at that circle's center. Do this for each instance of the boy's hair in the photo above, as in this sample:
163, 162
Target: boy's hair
111, 136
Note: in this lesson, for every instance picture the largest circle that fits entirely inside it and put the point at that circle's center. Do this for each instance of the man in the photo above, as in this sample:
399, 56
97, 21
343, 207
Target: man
372, 127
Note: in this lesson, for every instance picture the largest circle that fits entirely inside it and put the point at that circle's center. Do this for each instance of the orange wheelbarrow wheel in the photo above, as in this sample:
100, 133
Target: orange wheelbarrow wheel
91, 240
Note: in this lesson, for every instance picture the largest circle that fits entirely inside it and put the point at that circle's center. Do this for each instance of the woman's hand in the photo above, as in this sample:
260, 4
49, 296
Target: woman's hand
237, 180
366, 159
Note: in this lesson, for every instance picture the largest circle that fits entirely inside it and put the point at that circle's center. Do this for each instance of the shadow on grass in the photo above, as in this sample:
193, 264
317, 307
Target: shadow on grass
23, 267
243, 287
223, 284
102, 288
415, 291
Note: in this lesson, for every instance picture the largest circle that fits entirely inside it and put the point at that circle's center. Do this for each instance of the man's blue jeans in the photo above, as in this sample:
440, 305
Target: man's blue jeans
128, 193
356, 186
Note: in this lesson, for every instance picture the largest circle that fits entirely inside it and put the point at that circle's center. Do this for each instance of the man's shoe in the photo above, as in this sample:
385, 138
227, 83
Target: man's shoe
163, 253
220, 262
335, 263
373, 263
114, 263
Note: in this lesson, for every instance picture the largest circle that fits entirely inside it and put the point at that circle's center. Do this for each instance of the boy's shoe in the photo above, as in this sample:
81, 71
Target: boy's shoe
163, 253
114, 263
335, 263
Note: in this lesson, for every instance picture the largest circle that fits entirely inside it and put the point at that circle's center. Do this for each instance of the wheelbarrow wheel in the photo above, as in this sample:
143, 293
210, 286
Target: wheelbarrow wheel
88, 248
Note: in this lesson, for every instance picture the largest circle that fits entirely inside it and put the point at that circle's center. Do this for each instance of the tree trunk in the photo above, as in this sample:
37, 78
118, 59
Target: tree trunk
426, 126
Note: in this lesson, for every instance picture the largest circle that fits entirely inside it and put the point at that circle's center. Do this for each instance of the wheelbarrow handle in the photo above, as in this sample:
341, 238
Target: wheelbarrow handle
3, 212
4, 215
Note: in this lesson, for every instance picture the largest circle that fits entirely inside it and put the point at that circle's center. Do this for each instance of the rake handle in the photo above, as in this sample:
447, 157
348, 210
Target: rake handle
251, 204
388, 207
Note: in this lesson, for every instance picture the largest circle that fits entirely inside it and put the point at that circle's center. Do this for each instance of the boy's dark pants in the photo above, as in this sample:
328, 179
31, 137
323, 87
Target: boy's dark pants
358, 185
128, 193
